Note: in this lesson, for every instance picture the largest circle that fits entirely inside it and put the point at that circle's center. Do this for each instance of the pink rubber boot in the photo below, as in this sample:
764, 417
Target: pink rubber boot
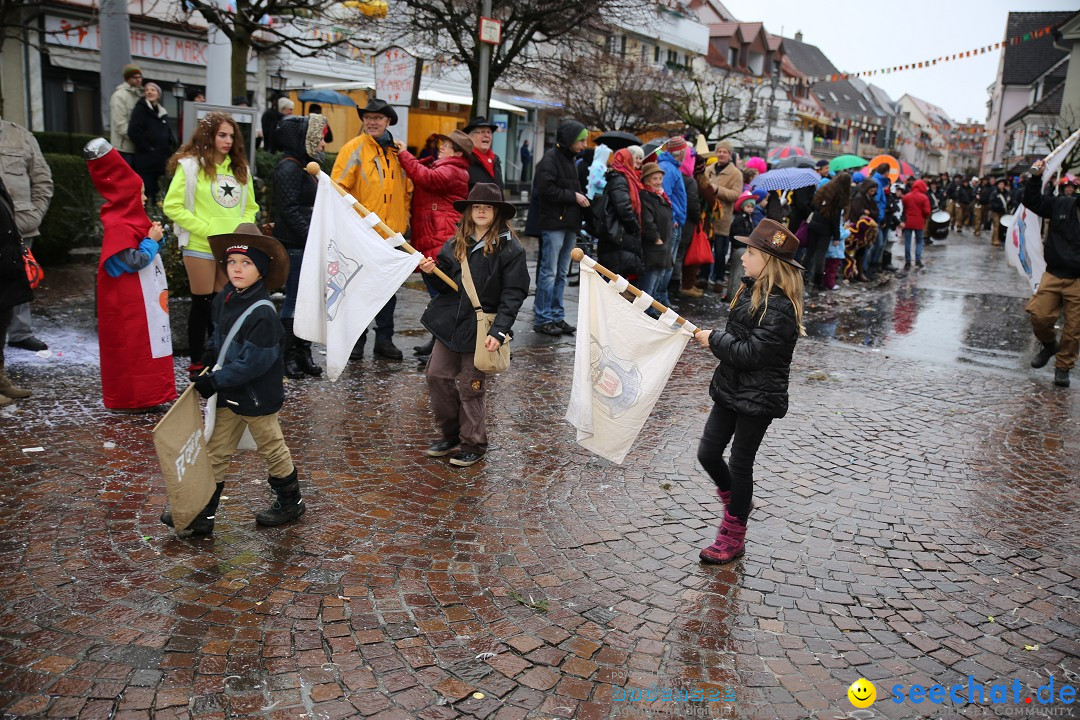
730, 542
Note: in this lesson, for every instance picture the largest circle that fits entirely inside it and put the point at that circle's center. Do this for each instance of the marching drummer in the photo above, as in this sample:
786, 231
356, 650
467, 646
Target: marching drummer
999, 206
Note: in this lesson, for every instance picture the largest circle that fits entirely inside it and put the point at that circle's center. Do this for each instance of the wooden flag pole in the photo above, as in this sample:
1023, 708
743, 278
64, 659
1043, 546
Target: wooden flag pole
577, 254
314, 169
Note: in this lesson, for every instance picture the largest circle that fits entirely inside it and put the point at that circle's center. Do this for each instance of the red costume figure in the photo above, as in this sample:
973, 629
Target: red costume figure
134, 335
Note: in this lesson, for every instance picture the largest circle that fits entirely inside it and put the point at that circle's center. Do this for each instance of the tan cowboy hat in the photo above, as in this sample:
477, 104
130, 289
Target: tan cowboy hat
247, 234
459, 140
773, 238
702, 148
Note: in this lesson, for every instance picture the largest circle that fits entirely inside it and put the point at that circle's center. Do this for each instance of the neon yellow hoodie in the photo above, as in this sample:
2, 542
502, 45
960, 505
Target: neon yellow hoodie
219, 204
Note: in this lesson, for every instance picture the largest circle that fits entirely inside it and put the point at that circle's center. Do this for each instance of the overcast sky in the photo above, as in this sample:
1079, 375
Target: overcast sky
859, 36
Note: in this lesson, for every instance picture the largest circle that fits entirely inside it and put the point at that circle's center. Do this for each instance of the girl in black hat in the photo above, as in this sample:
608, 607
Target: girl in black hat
496, 262
750, 386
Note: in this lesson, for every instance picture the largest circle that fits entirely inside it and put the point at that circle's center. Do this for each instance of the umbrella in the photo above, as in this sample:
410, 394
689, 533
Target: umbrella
906, 170
786, 179
654, 146
893, 163
786, 151
846, 162
795, 161
326, 97
616, 140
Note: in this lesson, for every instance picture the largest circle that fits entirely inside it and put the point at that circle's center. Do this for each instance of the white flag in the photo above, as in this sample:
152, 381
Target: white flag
622, 362
349, 273
1024, 246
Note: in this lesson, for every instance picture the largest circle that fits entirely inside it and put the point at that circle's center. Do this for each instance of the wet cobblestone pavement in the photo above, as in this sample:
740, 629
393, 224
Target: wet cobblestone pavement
915, 524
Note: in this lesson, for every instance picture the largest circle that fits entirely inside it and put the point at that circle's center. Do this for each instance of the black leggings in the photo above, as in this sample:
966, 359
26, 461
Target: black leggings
736, 475
198, 325
5, 320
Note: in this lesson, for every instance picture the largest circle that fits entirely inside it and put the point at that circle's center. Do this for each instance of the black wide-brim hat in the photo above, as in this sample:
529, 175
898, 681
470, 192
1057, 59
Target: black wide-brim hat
773, 238
248, 234
381, 107
478, 122
487, 194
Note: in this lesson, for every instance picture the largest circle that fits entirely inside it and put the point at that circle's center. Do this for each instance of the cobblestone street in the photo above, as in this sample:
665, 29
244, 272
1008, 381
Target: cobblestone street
916, 523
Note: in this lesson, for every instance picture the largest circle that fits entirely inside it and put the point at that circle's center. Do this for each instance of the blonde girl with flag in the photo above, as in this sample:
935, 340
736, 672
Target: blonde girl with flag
750, 386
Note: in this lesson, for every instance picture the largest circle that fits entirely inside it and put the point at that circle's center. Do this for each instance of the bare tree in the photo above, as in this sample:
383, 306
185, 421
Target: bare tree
245, 23
607, 91
1067, 123
535, 33
718, 104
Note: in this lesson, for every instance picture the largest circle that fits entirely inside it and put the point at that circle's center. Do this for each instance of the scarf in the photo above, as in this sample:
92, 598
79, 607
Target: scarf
487, 160
623, 162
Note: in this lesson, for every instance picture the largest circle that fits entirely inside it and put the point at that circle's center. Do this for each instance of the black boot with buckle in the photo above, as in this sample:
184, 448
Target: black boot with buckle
287, 505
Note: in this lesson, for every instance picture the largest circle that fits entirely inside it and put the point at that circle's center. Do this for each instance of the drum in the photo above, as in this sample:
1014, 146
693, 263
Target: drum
1007, 221
938, 227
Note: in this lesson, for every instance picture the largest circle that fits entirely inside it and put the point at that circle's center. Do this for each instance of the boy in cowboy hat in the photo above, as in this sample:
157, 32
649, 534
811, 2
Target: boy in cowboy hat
248, 377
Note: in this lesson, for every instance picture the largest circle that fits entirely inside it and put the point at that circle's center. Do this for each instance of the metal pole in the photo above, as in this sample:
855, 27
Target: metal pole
115, 51
768, 120
480, 107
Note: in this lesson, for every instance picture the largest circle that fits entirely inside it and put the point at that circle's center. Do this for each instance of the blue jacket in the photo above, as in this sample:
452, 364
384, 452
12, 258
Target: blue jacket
674, 187
879, 197
251, 380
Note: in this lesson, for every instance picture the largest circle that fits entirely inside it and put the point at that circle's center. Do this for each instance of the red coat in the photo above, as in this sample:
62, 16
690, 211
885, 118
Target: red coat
133, 305
916, 207
435, 188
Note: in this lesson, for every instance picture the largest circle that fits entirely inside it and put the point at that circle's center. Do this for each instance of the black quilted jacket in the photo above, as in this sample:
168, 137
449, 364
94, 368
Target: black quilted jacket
755, 356
294, 188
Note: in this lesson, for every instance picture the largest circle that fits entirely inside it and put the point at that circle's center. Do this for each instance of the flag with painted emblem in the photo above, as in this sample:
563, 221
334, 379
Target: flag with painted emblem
622, 362
349, 272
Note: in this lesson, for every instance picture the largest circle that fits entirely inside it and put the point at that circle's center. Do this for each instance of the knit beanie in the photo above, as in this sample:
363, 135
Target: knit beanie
130, 70
583, 135
257, 256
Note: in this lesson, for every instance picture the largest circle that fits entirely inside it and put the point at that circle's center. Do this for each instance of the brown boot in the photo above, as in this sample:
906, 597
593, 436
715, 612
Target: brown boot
5, 401
10, 389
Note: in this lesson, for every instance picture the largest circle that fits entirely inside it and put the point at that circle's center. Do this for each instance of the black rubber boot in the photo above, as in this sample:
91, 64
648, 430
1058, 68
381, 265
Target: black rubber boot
288, 505
203, 524
304, 360
425, 349
292, 368
1043, 356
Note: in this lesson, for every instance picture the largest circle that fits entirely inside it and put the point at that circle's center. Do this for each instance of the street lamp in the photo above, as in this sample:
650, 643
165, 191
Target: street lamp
774, 81
278, 81
178, 91
69, 88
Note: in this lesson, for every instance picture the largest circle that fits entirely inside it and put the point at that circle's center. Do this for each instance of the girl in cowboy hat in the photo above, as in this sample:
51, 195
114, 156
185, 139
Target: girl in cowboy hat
496, 262
750, 386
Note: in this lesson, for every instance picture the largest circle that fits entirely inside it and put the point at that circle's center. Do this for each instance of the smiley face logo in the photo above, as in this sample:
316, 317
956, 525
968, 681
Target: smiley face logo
862, 693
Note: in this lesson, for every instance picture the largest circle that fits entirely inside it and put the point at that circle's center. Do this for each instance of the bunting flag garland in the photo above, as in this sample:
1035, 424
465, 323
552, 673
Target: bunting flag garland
1016, 40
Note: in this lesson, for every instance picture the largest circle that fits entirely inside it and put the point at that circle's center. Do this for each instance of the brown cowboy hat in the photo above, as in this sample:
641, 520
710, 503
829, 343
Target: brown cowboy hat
248, 234
459, 140
487, 194
773, 238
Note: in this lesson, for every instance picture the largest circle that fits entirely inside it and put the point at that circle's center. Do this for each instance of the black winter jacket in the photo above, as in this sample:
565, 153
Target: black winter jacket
477, 173
14, 287
502, 284
154, 140
270, 120
656, 220
965, 194
620, 251
693, 212
294, 188
251, 381
755, 356
1062, 248
983, 194
999, 202
802, 204
742, 224
556, 184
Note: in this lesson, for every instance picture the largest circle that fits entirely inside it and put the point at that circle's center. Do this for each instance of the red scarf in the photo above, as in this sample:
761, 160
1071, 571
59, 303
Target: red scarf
623, 161
487, 160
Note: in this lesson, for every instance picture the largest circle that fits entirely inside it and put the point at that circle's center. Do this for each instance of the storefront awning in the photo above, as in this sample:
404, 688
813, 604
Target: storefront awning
438, 96
151, 69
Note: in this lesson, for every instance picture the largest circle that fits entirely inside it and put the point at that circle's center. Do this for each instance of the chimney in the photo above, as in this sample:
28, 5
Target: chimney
798, 35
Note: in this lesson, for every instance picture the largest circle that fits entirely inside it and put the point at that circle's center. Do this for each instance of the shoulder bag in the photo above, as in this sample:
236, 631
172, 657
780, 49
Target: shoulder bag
484, 360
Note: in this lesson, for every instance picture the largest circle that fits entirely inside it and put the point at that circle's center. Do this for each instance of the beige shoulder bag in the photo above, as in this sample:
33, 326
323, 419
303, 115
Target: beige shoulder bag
485, 360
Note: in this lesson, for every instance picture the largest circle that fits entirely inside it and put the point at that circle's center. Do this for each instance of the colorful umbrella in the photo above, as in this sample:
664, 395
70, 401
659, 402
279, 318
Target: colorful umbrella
786, 179
893, 163
846, 162
785, 151
906, 170
795, 161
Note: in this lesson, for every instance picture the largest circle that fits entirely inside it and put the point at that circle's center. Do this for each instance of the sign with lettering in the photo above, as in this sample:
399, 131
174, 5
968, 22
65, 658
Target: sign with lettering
397, 76
86, 35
